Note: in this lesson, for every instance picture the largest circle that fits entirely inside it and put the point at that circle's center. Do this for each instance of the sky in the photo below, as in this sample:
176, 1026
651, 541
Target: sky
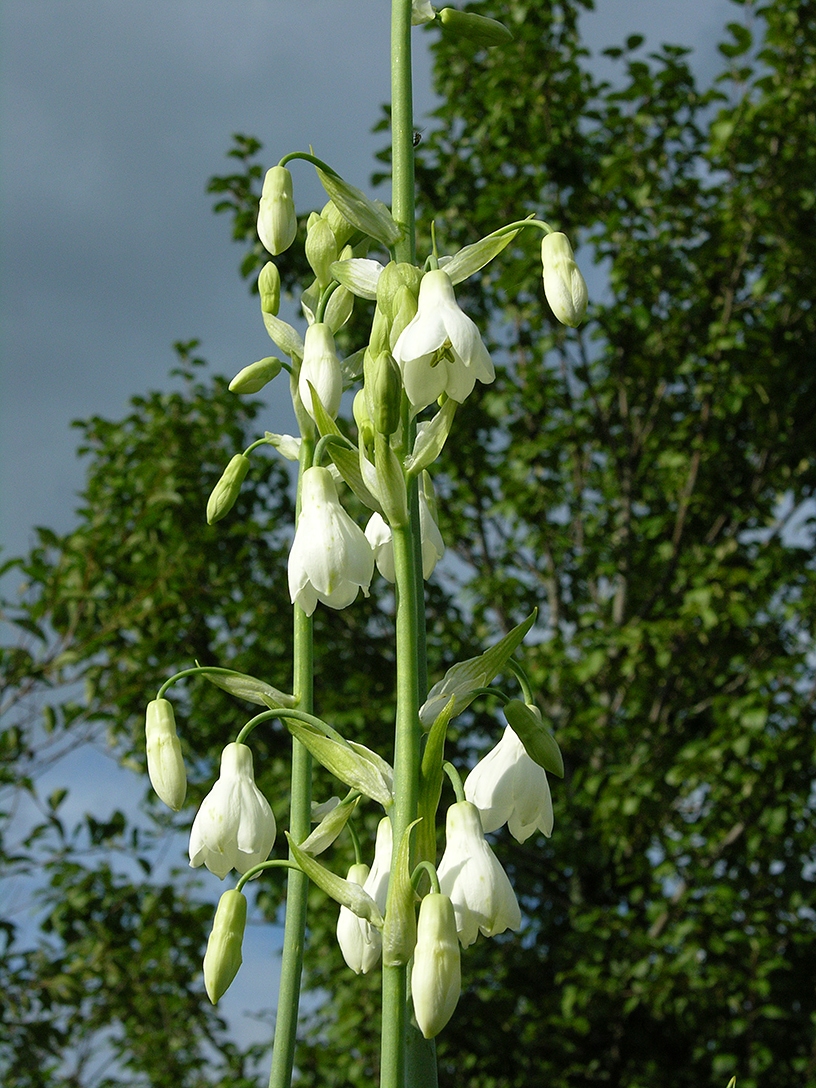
112, 118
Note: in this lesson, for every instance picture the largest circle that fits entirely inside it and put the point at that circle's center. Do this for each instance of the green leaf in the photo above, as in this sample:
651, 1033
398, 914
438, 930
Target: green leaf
243, 686
342, 891
471, 258
353, 764
465, 678
431, 439
372, 218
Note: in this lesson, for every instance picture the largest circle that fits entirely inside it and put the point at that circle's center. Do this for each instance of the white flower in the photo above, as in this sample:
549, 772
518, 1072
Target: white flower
436, 977
359, 941
470, 875
421, 12
330, 557
508, 787
321, 367
440, 349
564, 285
378, 534
235, 827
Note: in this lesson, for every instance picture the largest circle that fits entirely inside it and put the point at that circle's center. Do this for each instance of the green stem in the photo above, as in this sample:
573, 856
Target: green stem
402, 130
300, 822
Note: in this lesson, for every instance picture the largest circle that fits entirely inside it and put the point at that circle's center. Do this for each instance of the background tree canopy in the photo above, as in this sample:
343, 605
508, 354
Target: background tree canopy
647, 481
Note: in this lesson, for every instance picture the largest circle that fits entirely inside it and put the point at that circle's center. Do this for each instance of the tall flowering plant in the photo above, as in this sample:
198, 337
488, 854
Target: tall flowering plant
402, 909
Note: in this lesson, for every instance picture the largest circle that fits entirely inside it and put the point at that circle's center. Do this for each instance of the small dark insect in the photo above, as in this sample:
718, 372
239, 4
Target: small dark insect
417, 139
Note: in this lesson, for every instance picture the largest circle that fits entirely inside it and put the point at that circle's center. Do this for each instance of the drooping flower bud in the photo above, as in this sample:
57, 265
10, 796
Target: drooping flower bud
320, 368
359, 941
321, 249
223, 956
277, 221
165, 764
476, 28
226, 491
269, 288
255, 376
383, 389
436, 977
564, 285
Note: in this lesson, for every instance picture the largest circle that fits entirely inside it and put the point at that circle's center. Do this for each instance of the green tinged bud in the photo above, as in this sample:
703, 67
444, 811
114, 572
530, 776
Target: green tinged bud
269, 288
564, 285
226, 491
321, 249
392, 278
165, 764
383, 389
405, 308
277, 220
255, 376
341, 227
436, 977
223, 956
365, 428
476, 28
379, 339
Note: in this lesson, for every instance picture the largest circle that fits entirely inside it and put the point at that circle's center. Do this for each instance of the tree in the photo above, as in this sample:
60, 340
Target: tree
647, 480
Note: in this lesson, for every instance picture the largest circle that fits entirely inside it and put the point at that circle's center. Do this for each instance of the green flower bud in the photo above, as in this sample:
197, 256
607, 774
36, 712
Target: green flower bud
277, 221
269, 288
165, 765
564, 285
476, 28
341, 227
380, 328
339, 308
365, 428
436, 977
226, 491
383, 389
223, 956
255, 376
405, 308
393, 277
321, 250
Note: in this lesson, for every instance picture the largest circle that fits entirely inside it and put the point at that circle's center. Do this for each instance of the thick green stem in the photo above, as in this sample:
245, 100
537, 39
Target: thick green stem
406, 788
300, 822
402, 129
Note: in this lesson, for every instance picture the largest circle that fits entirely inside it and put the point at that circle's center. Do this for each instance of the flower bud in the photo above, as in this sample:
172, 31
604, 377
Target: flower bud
365, 428
405, 308
436, 977
321, 249
321, 369
226, 491
393, 277
255, 376
359, 941
564, 285
476, 28
277, 221
165, 765
223, 956
339, 308
383, 389
341, 227
269, 288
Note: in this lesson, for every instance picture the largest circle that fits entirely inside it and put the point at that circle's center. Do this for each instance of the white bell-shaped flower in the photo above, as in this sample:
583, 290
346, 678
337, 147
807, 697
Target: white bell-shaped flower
440, 350
421, 12
508, 787
482, 896
321, 368
378, 534
359, 941
235, 827
330, 558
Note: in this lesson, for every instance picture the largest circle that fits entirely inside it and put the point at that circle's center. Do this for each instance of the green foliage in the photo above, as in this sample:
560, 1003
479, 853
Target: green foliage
647, 481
